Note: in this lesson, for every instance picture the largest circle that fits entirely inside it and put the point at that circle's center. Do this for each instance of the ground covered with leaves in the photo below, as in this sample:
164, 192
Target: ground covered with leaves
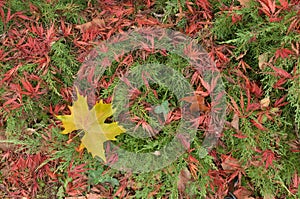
254, 44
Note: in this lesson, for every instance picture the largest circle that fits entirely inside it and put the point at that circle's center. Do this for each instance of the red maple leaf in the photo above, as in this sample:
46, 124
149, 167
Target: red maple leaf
268, 156
283, 53
258, 125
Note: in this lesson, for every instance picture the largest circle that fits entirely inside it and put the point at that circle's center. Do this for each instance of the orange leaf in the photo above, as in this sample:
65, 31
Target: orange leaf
96, 22
197, 103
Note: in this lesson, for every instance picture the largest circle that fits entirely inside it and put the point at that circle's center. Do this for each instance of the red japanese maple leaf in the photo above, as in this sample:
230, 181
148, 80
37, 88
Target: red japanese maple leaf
283, 53
268, 156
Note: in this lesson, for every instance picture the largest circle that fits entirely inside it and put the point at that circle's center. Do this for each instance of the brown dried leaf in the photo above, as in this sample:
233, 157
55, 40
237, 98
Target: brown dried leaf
265, 102
4, 146
183, 179
262, 59
235, 122
197, 103
243, 193
244, 3
96, 22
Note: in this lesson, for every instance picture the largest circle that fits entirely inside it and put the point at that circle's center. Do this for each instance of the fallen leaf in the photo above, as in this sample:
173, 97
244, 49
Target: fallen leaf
281, 72
244, 3
240, 135
96, 22
229, 163
183, 179
283, 53
269, 196
243, 193
258, 125
235, 122
265, 102
197, 103
284, 3
4, 146
268, 156
96, 132
93, 196
262, 59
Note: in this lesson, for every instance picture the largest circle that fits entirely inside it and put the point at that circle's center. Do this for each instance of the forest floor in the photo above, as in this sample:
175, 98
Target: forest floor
250, 93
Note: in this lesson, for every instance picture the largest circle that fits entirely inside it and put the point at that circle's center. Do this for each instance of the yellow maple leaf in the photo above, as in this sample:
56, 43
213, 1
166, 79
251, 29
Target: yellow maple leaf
91, 121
